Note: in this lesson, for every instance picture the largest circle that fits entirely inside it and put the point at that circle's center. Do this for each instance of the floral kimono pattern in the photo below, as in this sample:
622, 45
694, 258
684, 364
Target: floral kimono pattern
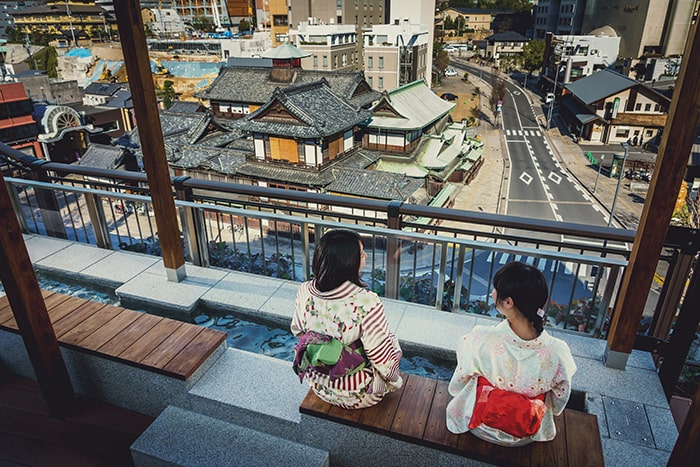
350, 313
531, 368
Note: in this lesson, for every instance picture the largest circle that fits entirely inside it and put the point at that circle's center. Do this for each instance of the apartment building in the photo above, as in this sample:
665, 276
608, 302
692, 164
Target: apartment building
560, 17
331, 46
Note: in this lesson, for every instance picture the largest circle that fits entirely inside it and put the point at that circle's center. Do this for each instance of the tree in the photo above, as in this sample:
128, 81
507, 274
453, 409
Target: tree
243, 25
168, 93
14, 35
533, 55
441, 59
498, 93
202, 23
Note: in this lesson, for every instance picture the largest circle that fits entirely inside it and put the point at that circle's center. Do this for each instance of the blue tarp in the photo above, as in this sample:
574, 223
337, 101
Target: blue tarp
81, 52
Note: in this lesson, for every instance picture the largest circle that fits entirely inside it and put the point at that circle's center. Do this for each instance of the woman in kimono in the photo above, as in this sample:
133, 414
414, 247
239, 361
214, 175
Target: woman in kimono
513, 378
346, 350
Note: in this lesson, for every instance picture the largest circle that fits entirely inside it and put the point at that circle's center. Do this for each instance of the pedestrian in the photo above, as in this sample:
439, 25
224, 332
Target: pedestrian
346, 350
513, 378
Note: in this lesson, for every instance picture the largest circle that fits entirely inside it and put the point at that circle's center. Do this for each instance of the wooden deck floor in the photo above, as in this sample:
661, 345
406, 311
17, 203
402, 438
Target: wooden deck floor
97, 434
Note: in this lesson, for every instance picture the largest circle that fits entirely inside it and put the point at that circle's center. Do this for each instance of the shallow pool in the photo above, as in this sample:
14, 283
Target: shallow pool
256, 337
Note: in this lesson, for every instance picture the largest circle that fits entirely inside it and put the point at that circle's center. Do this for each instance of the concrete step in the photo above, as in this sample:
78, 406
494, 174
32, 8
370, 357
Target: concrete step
251, 390
179, 437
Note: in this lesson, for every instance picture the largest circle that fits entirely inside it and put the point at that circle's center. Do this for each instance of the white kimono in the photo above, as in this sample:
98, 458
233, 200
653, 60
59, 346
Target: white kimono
541, 365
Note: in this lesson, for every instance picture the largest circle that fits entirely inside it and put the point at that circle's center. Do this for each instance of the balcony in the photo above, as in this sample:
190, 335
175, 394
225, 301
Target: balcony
232, 231
248, 247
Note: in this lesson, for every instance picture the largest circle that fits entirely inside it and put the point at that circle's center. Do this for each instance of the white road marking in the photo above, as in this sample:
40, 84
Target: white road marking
525, 178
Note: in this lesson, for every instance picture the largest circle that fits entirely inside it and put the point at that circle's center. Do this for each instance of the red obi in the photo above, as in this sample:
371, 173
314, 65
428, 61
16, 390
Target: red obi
510, 412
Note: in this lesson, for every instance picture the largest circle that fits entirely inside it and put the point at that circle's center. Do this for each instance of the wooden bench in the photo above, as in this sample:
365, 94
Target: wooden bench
169, 347
416, 414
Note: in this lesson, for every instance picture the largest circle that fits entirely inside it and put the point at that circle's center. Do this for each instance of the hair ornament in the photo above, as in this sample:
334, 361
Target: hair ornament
540, 312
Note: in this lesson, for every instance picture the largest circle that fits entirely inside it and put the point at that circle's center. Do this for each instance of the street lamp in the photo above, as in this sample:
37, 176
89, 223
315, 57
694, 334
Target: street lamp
620, 174
560, 68
600, 166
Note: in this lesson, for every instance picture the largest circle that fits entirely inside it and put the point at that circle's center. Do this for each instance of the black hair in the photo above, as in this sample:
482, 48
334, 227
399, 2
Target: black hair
337, 259
526, 286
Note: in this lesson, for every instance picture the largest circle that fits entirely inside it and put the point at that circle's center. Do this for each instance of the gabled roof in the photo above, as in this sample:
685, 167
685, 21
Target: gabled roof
599, 85
415, 106
508, 36
255, 85
102, 156
186, 107
307, 111
375, 184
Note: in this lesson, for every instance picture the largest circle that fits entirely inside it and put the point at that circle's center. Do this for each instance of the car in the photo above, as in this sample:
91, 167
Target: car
448, 96
549, 98
450, 72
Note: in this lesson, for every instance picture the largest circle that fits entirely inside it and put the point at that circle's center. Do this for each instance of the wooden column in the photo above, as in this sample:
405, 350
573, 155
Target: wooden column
133, 39
687, 445
671, 164
29, 309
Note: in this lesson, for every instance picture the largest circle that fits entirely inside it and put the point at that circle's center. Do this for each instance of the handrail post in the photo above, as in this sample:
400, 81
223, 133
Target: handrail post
305, 251
17, 206
48, 205
98, 220
192, 225
393, 251
674, 285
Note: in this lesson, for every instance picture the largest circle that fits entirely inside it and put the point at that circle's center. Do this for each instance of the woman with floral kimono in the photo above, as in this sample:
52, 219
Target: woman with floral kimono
513, 378
346, 350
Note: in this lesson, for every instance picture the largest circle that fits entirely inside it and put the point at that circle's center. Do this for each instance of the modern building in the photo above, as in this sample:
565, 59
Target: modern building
560, 17
610, 108
396, 54
474, 19
646, 27
418, 12
69, 20
279, 22
331, 46
17, 125
7, 8
576, 57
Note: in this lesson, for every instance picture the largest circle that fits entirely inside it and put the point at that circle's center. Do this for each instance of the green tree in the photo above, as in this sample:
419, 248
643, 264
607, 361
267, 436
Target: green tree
441, 59
533, 55
202, 23
46, 60
168, 93
243, 25
14, 35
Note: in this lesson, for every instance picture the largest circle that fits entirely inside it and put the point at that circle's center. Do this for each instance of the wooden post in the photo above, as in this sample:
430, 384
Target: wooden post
138, 67
29, 309
671, 164
687, 445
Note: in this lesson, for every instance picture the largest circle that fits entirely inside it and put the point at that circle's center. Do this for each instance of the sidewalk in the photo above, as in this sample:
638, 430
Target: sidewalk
488, 191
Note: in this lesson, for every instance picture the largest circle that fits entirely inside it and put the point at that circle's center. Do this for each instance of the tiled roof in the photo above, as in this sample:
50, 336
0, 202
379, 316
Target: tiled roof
254, 86
320, 112
411, 116
508, 36
374, 184
186, 107
121, 100
225, 161
101, 156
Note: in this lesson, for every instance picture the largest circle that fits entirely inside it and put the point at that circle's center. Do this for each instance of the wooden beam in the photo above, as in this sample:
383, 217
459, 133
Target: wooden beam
688, 443
671, 164
29, 309
133, 39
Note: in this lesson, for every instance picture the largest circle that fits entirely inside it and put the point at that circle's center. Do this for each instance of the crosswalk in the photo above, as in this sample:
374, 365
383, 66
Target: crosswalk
523, 133
543, 264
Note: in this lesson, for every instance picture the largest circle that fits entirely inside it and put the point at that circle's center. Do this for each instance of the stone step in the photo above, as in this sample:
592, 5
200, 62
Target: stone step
180, 437
251, 390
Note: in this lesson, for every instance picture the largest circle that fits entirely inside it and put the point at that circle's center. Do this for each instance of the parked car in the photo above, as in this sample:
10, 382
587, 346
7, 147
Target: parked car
448, 96
450, 72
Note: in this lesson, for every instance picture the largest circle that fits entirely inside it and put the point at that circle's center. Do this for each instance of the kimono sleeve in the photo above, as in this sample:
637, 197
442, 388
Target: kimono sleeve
561, 387
297, 326
467, 362
380, 344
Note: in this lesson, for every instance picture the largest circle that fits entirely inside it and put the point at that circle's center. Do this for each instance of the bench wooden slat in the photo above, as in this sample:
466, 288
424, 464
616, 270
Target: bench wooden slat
350, 416
97, 339
130, 334
150, 340
380, 417
6, 311
471, 446
552, 452
94, 321
436, 431
76, 317
196, 352
412, 413
59, 306
169, 348
582, 450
